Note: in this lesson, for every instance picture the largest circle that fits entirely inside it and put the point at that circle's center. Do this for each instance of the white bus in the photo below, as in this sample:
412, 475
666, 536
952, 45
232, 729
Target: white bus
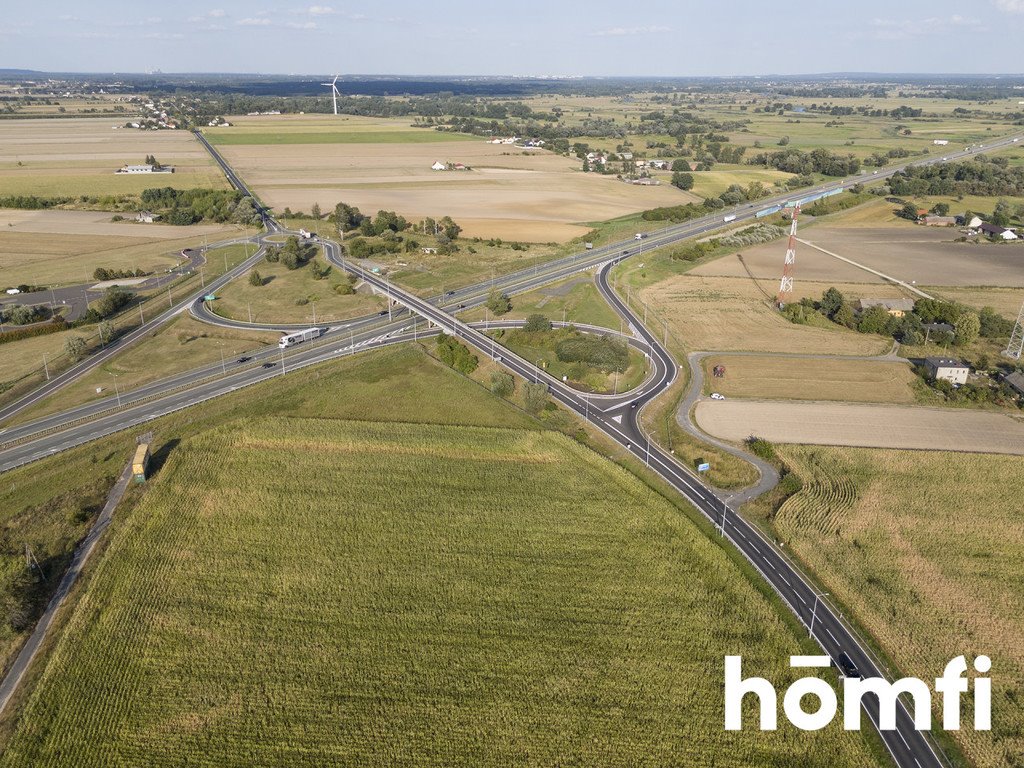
291, 339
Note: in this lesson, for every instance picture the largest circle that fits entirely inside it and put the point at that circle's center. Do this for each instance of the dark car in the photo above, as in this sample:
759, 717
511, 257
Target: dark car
847, 667
450, 293
269, 365
243, 359
633, 404
382, 313
462, 306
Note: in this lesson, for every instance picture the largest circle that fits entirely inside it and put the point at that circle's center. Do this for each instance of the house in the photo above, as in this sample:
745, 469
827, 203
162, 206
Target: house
946, 368
930, 328
1002, 233
147, 217
938, 221
940, 142
625, 156
974, 223
1016, 382
439, 166
895, 307
661, 165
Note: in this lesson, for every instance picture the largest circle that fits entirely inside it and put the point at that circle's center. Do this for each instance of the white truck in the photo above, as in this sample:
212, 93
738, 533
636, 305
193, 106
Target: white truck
729, 218
639, 236
589, 246
291, 339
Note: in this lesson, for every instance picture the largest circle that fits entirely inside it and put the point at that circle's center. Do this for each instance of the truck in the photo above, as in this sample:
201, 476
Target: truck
291, 339
589, 246
140, 463
639, 236
730, 217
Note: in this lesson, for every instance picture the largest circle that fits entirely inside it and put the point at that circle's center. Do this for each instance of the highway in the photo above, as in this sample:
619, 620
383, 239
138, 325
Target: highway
617, 416
619, 419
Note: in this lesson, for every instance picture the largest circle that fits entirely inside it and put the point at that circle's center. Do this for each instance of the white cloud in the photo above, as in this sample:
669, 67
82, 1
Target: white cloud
903, 29
1010, 6
250, 22
320, 10
301, 24
216, 13
623, 31
163, 36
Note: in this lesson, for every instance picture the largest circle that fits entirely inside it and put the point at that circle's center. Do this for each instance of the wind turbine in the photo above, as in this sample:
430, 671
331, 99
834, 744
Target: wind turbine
334, 91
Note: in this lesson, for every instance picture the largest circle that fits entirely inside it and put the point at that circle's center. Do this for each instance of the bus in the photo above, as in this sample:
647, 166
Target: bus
291, 339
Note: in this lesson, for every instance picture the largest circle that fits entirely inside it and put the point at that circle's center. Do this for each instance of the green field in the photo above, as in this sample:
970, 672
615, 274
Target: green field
421, 136
242, 616
926, 548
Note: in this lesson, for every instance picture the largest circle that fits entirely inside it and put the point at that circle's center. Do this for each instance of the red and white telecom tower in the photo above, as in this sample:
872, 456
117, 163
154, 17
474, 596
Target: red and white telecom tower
786, 285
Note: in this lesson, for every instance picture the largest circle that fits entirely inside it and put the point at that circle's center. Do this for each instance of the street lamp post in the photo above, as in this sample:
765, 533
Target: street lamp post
117, 392
223, 365
814, 612
46, 368
536, 373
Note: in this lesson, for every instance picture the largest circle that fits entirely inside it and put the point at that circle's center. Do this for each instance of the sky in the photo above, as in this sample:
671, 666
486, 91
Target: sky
526, 38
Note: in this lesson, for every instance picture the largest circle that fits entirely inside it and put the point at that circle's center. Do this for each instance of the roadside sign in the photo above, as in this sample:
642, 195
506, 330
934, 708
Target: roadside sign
703, 467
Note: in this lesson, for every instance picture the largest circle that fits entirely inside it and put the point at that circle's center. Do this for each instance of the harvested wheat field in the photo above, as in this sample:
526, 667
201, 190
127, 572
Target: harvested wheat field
792, 377
79, 156
508, 192
922, 255
925, 547
869, 426
61, 247
734, 314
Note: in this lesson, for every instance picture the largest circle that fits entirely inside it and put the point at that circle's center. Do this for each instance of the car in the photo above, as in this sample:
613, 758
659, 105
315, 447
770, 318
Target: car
450, 293
243, 359
633, 404
268, 365
382, 313
717, 396
875, 173
945, 159
462, 306
847, 667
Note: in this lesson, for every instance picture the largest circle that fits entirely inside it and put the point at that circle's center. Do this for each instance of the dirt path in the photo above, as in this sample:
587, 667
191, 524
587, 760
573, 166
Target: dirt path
82, 553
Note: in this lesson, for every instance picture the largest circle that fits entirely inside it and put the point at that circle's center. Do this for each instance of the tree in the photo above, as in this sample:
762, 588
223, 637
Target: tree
941, 209
74, 347
319, 271
536, 323
502, 384
994, 325
873, 320
908, 211
683, 181
246, 212
680, 165
831, 301
967, 327
255, 278
535, 397
449, 228
456, 354
346, 218
106, 331
315, 212
499, 303
19, 314
1001, 214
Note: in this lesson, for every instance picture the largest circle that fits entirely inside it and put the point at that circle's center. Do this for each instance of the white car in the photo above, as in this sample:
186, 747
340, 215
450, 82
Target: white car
717, 396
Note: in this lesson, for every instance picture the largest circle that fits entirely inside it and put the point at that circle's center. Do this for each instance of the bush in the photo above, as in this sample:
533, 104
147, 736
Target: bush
761, 447
499, 303
502, 384
57, 324
536, 323
255, 278
74, 347
535, 397
603, 352
456, 354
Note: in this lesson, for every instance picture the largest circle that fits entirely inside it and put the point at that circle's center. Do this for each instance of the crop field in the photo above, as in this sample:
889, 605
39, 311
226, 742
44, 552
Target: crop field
450, 623
798, 378
861, 424
914, 254
510, 193
65, 247
79, 156
292, 296
930, 580
732, 314
1006, 301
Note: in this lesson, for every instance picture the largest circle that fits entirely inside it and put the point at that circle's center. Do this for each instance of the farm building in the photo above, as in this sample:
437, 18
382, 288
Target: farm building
939, 221
1016, 382
947, 368
973, 223
895, 307
1003, 233
145, 169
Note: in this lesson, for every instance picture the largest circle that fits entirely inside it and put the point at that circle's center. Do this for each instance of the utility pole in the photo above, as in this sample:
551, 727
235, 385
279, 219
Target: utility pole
282, 361
142, 317
116, 390
46, 368
789, 265
169, 302
249, 307
223, 365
